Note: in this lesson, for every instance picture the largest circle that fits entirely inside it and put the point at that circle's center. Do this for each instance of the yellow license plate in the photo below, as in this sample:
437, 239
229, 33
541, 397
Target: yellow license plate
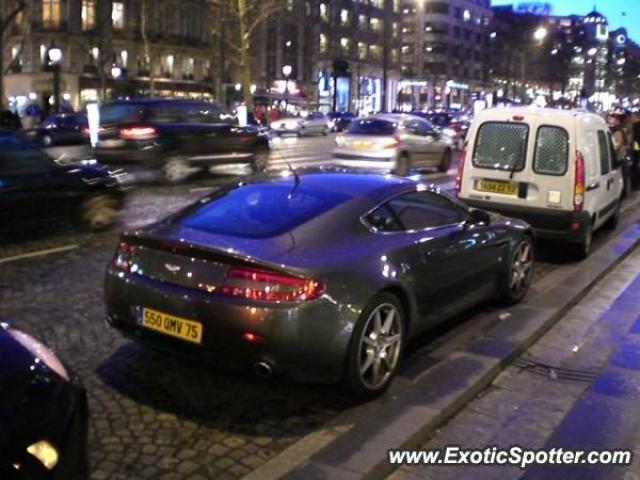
171, 325
360, 145
505, 188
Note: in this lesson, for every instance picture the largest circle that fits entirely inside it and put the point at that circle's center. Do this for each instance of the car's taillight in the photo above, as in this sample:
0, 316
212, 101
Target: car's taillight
340, 140
255, 284
461, 170
124, 256
579, 185
390, 143
138, 133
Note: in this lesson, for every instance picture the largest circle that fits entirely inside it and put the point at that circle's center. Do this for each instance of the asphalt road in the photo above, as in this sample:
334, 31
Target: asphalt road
153, 416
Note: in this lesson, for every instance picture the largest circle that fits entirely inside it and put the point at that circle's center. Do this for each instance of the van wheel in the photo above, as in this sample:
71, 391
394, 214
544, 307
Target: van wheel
376, 347
519, 273
445, 162
583, 249
614, 219
402, 165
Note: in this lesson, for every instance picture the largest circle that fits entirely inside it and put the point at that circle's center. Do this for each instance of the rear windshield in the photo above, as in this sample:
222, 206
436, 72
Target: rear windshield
501, 146
114, 114
552, 151
372, 127
261, 210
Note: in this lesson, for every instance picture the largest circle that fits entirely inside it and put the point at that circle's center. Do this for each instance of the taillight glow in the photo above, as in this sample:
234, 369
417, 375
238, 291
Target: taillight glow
255, 284
579, 185
138, 133
252, 337
461, 169
123, 257
390, 142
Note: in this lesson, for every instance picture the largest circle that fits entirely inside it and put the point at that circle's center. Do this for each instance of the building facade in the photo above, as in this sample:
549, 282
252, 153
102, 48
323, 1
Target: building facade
444, 52
104, 52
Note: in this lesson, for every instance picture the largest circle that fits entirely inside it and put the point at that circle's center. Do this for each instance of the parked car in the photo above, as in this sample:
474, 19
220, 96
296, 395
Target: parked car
556, 169
34, 188
312, 123
352, 266
392, 142
340, 121
63, 129
176, 137
43, 413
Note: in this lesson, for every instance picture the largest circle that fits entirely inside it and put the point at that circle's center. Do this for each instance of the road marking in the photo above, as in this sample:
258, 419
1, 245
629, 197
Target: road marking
39, 253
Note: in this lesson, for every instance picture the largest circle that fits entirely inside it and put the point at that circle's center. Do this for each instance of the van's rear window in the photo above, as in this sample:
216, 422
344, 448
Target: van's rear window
552, 151
501, 146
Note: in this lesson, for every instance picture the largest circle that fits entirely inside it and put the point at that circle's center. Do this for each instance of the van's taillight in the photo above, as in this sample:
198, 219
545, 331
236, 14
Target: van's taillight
138, 133
461, 170
124, 256
579, 185
255, 284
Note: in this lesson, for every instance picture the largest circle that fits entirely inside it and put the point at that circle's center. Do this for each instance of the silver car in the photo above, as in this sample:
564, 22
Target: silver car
392, 142
313, 123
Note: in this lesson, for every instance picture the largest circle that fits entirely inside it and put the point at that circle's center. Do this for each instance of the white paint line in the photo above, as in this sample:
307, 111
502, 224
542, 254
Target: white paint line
39, 253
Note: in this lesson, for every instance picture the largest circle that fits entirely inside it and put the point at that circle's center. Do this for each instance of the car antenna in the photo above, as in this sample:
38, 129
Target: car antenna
296, 176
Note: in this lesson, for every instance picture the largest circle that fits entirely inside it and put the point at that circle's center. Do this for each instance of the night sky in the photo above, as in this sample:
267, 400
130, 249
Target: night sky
612, 9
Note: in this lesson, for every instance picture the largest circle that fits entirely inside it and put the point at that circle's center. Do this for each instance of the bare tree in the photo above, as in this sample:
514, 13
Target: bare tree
236, 24
8, 13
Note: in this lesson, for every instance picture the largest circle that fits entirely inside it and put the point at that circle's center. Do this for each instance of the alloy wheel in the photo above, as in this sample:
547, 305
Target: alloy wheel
521, 268
380, 346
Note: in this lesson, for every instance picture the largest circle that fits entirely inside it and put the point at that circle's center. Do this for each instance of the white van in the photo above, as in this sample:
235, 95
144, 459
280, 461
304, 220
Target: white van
555, 169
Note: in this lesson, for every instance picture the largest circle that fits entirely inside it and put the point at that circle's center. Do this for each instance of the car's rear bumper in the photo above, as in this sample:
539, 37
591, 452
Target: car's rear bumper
547, 223
306, 341
375, 160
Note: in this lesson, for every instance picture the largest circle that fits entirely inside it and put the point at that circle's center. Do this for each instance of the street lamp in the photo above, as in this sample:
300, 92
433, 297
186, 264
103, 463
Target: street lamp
540, 34
286, 71
55, 58
116, 71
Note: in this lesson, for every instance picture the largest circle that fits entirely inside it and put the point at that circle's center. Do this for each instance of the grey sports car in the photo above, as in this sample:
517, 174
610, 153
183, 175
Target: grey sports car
321, 276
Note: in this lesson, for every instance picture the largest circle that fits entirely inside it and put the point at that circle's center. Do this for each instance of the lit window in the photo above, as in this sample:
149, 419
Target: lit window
344, 43
362, 50
88, 14
466, 16
344, 16
324, 12
117, 15
51, 13
324, 42
362, 21
376, 24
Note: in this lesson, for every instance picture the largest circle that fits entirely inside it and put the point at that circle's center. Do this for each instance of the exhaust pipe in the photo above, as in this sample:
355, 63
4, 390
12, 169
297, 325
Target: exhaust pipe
263, 369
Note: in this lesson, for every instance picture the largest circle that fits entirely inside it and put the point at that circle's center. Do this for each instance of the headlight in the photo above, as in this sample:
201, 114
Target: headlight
45, 452
449, 132
40, 351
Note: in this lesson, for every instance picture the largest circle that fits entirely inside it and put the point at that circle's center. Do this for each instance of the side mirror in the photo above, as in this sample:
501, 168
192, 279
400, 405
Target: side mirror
479, 217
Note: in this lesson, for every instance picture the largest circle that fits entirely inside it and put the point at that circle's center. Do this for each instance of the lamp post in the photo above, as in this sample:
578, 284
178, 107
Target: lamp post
116, 72
55, 57
286, 71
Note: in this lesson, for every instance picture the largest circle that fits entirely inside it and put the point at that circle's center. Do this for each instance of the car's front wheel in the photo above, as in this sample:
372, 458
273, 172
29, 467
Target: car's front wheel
176, 169
46, 140
518, 273
402, 165
100, 211
445, 161
376, 346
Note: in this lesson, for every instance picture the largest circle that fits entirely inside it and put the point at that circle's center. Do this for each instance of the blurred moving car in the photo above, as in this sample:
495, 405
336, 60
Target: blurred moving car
351, 267
340, 121
43, 413
313, 122
63, 129
177, 137
392, 142
34, 188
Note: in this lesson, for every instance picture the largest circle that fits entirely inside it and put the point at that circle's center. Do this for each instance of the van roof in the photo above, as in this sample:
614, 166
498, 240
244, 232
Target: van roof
538, 112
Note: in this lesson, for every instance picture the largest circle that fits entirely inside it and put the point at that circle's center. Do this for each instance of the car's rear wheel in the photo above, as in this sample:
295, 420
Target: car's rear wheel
402, 165
614, 219
376, 346
445, 161
176, 169
325, 131
583, 248
519, 272
47, 140
100, 211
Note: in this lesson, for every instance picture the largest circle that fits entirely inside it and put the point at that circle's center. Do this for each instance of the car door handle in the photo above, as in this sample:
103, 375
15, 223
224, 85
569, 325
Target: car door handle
593, 186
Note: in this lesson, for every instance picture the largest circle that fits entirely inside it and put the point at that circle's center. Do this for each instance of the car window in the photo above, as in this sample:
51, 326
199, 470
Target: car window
248, 211
384, 219
372, 126
418, 211
418, 127
603, 147
18, 155
612, 151
501, 146
552, 151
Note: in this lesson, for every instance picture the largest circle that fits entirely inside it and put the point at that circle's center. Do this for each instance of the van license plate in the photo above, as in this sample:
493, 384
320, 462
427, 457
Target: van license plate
493, 186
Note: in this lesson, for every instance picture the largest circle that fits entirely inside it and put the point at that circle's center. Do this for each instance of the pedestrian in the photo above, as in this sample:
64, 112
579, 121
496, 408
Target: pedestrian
635, 150
621, 145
